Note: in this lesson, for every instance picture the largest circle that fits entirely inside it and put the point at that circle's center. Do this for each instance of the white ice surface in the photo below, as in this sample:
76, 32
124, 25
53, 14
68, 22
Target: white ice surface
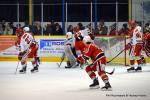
53, 83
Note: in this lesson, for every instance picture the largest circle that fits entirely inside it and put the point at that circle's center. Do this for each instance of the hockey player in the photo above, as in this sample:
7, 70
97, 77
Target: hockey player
146, 40
90, 50
135, 46
28, 49
69, 47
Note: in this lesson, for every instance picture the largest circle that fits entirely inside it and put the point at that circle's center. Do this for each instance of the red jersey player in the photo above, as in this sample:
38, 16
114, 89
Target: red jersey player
136, 46
28, 49
90, 50
146, 41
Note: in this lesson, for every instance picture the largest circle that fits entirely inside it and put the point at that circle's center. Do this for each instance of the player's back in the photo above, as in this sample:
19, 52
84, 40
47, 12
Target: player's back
26, 41
79, 45
92, 51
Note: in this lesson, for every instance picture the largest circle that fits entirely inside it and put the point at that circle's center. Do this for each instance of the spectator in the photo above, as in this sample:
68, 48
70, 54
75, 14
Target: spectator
36, 29
3, 24
89, 26
18, 26
14, 28
58, 30
102, 29
112, 29
80, 26
8, 30
1, 29
124, 30
70, 28
48, 30
53, 27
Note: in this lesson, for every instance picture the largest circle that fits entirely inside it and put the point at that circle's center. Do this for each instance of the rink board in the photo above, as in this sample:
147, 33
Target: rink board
51, 48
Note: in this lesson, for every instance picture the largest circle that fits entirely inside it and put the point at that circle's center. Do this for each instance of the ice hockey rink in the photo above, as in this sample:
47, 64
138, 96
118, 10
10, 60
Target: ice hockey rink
53, 83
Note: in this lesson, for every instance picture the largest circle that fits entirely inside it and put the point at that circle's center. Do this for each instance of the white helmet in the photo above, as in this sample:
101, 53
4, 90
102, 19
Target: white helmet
26, 29
87, 39
69, 35
139, 28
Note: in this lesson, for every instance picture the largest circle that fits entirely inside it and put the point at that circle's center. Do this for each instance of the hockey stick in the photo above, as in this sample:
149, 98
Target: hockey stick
110, 73
62, 59
17, 67
115, 56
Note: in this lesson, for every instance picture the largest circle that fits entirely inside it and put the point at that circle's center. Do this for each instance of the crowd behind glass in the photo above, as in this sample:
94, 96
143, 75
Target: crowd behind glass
54, 28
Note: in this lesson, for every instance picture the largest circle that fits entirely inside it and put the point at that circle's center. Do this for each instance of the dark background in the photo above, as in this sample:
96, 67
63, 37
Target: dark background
76, 12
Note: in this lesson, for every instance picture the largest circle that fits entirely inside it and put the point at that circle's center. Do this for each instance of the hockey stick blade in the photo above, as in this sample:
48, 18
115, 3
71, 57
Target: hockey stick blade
58, 64
62, 59
112, 72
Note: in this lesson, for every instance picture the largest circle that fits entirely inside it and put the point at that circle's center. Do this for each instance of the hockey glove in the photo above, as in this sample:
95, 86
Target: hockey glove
81, 59
128, 46
21, 54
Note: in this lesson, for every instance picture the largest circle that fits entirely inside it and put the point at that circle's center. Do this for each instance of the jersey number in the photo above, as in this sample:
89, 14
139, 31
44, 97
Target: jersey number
26, 38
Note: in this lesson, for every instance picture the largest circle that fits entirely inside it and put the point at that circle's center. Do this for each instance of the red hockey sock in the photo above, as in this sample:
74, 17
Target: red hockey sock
24, 64
103, 75
139, 62
132, 62
90, 72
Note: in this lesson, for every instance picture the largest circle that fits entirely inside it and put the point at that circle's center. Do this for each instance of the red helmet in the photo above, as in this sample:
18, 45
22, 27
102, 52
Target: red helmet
132, 24
19, 32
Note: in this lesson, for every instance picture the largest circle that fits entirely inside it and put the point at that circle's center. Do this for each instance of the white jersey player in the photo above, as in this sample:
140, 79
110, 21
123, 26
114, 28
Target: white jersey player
69, 50
28, 49
135, 46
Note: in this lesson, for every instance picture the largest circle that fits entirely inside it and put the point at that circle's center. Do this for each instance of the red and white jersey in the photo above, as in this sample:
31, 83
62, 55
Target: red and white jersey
136, 35
25, 41
93, 52
79, 47
146, 41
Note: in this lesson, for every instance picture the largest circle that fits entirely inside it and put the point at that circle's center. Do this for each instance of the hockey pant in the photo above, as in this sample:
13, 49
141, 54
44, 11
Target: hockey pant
99, 67
70, 56
32, 55
135, 51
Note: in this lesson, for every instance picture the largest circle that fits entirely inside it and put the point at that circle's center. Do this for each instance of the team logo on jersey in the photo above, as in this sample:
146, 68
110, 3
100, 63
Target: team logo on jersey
86, 50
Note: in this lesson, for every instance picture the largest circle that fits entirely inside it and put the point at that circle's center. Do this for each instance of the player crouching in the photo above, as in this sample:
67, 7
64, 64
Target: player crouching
99, 62
69, 50
27, 49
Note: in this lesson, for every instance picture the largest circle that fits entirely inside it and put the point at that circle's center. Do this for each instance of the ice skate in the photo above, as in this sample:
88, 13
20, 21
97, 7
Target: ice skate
95, 84
68, 65
107, 87
138, 69
131, 69
35, 69
23, 70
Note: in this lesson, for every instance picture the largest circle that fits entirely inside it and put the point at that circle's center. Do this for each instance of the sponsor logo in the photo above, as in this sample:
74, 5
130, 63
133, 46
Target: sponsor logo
51, 43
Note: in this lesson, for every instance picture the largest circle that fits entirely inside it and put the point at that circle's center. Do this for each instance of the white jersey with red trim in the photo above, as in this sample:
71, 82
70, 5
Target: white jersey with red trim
26, 40
137, 35
70, 42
